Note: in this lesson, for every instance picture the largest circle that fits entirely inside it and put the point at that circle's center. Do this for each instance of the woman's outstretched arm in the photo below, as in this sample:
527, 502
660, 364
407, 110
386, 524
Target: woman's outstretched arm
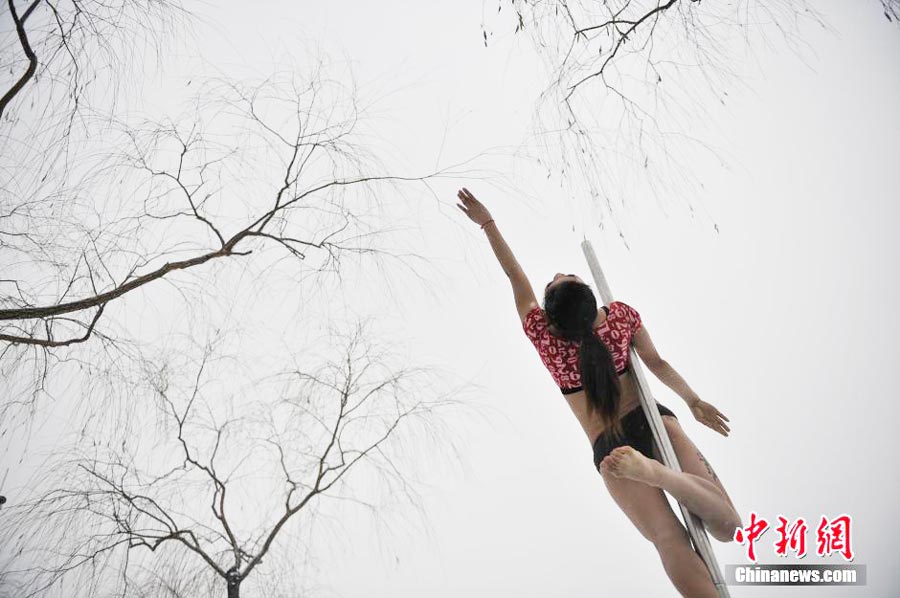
477, 213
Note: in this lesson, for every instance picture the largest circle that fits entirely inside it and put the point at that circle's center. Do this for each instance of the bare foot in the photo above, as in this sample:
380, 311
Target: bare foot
626, 462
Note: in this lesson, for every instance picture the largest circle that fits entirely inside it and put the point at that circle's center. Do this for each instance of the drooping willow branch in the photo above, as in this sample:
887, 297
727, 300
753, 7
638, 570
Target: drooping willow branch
20, 83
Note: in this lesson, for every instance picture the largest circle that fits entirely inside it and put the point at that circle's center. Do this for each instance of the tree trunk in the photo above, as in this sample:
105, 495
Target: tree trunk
233, 581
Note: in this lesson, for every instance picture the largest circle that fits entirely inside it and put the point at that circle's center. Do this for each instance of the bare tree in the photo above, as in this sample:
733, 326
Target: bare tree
275, 165
257, 185
103, 219
221, 491
630, 82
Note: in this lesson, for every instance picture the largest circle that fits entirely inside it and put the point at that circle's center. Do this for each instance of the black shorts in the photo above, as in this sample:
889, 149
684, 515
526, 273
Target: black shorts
637, 434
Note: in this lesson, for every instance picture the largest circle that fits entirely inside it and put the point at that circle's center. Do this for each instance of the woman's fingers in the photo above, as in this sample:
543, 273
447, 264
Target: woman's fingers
717, 427
721, 428
721, 419
465, 201
714, 419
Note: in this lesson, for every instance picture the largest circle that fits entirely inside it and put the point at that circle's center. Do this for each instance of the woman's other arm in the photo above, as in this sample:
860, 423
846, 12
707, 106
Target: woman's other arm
477, 213
703, 411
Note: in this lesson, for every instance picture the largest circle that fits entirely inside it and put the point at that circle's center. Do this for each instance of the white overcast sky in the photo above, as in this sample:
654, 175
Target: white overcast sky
785, 319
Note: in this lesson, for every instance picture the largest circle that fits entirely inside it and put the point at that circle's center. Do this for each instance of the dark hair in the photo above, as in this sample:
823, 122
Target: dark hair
571, 308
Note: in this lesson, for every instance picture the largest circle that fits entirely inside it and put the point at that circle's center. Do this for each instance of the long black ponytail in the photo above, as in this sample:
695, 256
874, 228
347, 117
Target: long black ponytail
572, 309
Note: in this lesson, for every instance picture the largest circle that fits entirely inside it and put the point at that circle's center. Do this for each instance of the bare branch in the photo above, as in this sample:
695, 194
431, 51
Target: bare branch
26, 48
110, 510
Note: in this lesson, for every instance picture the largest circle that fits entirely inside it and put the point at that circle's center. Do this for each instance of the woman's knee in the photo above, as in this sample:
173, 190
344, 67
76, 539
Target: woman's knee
724, 532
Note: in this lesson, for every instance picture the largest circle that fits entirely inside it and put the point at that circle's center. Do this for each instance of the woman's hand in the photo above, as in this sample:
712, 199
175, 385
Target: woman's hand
709, 416
473, 208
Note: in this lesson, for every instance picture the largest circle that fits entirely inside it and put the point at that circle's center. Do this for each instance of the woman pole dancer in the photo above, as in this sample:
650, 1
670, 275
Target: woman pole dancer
586, 351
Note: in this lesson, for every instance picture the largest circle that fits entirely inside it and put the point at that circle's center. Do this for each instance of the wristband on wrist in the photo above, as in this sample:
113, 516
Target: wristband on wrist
486, 223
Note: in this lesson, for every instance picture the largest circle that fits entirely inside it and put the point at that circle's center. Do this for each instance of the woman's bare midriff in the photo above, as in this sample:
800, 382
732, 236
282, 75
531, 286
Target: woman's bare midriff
591, 422
578, 401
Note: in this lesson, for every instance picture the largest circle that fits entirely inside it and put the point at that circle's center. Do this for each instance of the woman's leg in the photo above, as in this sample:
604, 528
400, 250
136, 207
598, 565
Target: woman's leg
649, 511
696, 487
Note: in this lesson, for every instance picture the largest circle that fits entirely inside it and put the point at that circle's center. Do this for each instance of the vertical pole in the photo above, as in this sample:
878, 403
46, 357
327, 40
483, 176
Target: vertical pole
693, 523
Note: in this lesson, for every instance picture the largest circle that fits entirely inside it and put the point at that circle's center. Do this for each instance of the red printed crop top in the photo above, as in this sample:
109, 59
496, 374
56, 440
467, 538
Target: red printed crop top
561, 356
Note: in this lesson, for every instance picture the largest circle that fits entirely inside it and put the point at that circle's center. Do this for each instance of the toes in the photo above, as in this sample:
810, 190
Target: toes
609, 465
605, 468
622, 451
628, 452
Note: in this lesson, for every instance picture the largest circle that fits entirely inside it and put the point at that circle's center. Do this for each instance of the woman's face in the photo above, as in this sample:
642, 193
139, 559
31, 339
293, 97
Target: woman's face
559, 277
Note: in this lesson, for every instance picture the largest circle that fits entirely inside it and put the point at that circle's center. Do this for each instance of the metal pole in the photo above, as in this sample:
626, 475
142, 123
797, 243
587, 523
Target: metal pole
693, 523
